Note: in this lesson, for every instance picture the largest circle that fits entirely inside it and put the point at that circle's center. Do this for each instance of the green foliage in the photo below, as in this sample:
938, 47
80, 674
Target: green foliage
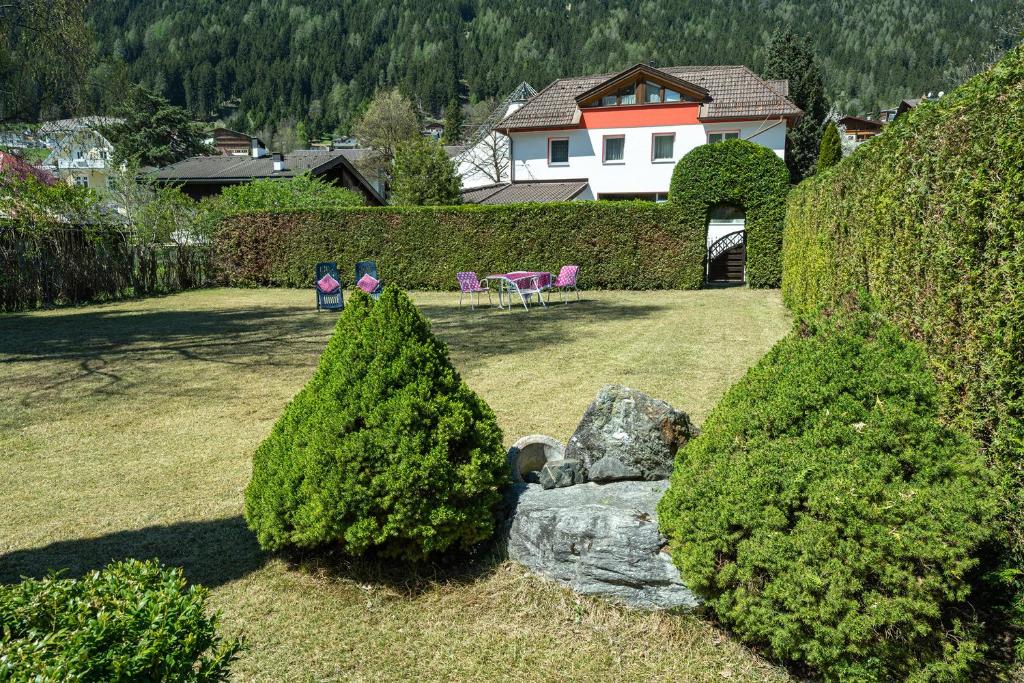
454, 123
132, 621
825, 513
874, 54
152, 131
791, 57
619, 245
930, 217
744, 174
385, 449
830, 152
424, 175
301, 192
388, 121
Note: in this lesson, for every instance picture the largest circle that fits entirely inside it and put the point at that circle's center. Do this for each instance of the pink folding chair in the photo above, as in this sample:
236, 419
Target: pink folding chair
565, 281
469, 284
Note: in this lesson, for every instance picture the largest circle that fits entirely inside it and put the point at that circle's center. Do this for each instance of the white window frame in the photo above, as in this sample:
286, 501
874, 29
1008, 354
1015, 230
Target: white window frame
723, 133
558, 163
654, 146
604, 149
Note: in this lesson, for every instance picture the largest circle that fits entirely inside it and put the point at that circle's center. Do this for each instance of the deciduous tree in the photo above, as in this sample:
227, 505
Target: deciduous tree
388, 121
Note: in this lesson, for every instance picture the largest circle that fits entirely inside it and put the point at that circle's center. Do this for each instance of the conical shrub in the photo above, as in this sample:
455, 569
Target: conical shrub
385, 449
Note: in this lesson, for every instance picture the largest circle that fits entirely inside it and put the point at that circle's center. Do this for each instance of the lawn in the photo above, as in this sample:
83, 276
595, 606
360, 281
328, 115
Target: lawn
127, 429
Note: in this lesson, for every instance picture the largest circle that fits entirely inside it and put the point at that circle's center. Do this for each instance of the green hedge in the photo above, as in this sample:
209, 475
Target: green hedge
621, 245
929, 218
744, 174
132, 621
825, 513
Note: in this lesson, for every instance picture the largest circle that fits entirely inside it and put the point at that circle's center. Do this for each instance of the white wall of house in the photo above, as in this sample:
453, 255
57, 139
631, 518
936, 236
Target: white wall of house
637, 173
489, 160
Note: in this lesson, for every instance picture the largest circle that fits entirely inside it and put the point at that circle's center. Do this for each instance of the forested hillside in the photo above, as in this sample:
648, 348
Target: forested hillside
318, 61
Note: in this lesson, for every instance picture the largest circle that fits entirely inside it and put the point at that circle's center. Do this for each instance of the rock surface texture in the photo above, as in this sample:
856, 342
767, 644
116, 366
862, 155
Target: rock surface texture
600, 540
558, 474
639, 433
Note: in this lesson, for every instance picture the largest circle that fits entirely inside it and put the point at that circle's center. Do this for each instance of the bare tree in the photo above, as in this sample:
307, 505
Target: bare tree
490, 158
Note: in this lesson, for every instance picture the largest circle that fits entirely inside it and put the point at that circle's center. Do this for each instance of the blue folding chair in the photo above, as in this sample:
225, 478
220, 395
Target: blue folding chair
329, 301
369, 268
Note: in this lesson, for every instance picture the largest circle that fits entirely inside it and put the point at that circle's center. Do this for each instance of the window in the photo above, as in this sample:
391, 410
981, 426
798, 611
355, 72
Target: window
614, 149
652, 92
558, 151
628, 95
718, 137
609, 101
672, 96
81, 181
662, 146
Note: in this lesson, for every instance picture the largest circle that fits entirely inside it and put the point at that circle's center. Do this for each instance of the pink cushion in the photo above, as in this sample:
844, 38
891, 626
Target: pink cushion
328, 284
368, 283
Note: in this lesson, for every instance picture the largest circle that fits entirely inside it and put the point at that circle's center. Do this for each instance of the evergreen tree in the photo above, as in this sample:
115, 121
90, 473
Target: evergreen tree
454, 122
424, 175
153, 132
384, 449
791, 57
831, 151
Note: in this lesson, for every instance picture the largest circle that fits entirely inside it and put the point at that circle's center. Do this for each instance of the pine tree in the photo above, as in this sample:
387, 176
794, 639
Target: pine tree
454, 122
791, 57
831, 151
152, 131
425, 175
384, 449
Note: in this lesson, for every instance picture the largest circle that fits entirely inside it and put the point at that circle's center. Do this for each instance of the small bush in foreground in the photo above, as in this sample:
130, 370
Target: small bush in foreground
825, 513
386, 448
132, 621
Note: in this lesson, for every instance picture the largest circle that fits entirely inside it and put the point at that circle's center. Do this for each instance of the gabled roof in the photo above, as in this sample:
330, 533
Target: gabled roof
228, 169
66, 126
735, 92
861, 122
645, 71
518, 193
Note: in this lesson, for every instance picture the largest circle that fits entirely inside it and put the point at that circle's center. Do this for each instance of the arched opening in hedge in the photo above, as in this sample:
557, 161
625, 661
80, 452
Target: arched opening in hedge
749, 178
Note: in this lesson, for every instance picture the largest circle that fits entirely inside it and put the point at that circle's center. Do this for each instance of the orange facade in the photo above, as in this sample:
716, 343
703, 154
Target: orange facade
640, 116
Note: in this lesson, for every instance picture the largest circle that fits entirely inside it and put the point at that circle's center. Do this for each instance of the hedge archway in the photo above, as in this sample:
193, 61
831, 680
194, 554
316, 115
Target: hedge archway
745, 174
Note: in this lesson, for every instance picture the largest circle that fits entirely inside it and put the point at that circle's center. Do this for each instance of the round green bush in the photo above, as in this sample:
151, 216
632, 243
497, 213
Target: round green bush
385, 449
744, 174
132, 621
826, 514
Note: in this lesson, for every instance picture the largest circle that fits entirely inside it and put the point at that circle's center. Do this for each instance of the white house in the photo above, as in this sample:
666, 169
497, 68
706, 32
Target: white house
619, 136
486, 159
78, 152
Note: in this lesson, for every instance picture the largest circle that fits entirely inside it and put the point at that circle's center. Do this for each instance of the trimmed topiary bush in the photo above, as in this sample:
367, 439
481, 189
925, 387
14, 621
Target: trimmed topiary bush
744, 174
385, 449
132, 621
826, 514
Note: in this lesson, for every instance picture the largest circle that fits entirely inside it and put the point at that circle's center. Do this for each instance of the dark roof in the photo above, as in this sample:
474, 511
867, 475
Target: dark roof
735, 91
861, 121
518, 193
227, 169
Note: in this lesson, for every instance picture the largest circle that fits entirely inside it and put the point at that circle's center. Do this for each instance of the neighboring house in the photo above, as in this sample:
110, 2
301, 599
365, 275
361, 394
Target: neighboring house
230, 142
204, 176
623, 133
486, 158
78, 152
857, 129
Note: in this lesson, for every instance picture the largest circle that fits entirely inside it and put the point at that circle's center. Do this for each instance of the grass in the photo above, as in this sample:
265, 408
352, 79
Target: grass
127, 429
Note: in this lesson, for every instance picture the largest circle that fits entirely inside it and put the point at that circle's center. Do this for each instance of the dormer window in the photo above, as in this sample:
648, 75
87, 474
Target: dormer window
625, 95
642, 84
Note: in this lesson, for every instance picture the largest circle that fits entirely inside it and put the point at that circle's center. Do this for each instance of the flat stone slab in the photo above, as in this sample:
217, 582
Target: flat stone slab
598, 540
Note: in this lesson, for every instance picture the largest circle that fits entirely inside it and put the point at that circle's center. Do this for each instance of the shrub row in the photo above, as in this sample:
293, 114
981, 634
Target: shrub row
826, 514
132, 621
929, 218
627, 245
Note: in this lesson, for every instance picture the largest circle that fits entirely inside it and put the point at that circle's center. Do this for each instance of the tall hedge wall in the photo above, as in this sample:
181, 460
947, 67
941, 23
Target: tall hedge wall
743, 174
622, 245
929, 218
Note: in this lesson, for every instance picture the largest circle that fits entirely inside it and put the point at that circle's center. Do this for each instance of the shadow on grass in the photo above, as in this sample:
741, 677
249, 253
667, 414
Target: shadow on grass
487, 331
211, 552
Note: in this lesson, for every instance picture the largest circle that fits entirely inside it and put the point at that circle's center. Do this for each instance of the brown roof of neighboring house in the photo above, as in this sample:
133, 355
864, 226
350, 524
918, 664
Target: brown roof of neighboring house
735, 92
241, 168
518, 193
861, 123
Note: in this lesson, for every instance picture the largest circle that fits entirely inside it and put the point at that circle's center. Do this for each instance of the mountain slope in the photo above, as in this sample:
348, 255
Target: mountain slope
318, 61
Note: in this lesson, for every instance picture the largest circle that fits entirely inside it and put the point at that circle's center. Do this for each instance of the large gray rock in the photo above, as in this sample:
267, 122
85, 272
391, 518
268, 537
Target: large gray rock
599, 540
641, 434
558, 474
